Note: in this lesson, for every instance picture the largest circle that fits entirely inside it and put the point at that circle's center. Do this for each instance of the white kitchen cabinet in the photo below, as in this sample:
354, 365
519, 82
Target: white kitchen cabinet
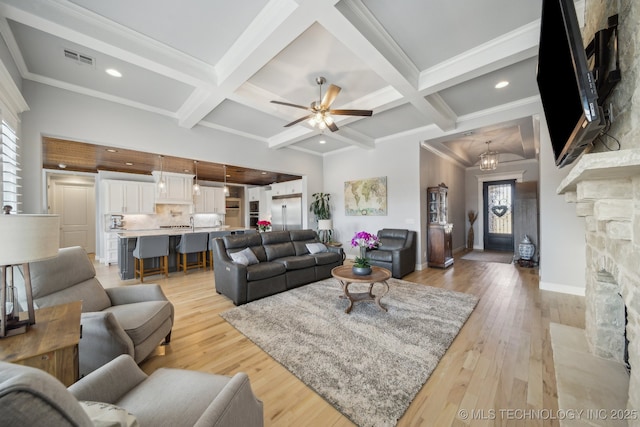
110, 252
210, 200
129, 197
286, 188
179, 188
255, 194
265, 208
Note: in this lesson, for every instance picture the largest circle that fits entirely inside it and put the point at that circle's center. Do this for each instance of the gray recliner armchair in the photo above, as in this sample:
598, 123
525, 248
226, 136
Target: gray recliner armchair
120, 393
131, 319
395, 252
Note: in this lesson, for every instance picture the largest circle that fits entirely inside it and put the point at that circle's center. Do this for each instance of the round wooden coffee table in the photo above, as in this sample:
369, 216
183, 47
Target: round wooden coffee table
345, 276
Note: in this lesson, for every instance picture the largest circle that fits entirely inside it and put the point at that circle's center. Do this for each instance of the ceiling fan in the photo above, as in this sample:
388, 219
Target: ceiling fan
320, 112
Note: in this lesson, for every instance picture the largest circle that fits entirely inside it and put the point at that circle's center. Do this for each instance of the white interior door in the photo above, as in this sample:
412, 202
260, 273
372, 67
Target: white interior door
75, 203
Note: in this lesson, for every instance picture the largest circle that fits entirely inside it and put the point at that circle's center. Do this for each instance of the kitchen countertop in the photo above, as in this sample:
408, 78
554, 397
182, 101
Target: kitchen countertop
174, 231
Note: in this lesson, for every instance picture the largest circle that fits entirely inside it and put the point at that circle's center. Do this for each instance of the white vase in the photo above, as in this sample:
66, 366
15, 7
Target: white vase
526, 249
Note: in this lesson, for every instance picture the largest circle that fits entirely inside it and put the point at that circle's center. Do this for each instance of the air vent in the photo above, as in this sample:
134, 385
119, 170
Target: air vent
78, 57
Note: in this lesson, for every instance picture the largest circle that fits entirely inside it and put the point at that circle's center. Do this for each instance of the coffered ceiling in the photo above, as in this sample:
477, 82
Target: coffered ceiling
427, 69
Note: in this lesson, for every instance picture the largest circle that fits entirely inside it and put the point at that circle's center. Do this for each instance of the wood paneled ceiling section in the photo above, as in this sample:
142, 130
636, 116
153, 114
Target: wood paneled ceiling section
83, 157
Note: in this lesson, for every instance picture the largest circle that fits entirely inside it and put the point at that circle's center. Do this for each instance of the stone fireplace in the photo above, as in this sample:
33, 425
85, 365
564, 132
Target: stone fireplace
606, 190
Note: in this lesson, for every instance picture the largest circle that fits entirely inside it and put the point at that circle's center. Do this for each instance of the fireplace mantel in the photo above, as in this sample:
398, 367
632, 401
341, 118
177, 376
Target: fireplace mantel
600, 166
605, 188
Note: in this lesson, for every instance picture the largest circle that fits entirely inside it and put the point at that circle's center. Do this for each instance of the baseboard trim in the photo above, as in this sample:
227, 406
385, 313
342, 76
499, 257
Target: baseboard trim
565, 289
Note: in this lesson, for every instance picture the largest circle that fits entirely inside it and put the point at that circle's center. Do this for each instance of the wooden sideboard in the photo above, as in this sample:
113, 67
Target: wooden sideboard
51, 344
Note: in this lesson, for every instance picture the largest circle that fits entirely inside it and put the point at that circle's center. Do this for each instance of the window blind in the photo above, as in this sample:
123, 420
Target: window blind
10, 168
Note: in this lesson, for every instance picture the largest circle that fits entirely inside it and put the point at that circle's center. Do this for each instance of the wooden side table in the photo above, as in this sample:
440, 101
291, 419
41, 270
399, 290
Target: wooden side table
345, 276
51, 344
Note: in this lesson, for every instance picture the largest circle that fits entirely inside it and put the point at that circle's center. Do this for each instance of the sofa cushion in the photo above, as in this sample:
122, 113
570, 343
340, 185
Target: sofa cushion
265, 270
236, 242
297, 262
391, 243
90, 292
32, 397
141, 319
380, 255
324, 258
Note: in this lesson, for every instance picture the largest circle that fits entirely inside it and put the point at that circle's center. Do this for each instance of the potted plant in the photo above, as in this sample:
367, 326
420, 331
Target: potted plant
363, 240
361, 266
322, 210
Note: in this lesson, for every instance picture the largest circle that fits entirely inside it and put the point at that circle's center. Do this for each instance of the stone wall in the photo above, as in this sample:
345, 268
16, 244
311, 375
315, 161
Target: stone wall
606, 190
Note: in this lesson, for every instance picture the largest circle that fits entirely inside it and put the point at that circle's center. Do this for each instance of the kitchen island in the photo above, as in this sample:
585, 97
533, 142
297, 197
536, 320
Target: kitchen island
127, 243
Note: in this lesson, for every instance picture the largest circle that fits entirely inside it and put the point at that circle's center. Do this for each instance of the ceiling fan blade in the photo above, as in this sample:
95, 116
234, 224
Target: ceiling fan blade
351, 112
330, 96
332, 126
292, 105
299, 120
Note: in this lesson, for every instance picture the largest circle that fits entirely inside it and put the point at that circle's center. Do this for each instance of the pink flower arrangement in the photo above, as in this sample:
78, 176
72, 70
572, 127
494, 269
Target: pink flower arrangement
263, 225
364, 239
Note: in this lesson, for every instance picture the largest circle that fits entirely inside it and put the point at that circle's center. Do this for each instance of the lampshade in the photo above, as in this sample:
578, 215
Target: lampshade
28, 238
325, 224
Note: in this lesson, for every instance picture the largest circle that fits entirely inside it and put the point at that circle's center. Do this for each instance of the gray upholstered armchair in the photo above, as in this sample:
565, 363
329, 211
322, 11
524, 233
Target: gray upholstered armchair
120, 393
131, 319
396, 251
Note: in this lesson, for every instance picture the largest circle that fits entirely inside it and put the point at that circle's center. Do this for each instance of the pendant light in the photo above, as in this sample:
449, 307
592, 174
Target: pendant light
196, 186
162, 185
488, 159
226, 189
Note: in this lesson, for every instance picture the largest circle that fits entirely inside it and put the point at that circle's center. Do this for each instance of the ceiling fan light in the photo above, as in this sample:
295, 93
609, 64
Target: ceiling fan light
322, 125
328, 119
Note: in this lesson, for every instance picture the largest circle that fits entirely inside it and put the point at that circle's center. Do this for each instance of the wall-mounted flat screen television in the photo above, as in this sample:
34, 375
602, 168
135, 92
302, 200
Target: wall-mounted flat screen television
566, 83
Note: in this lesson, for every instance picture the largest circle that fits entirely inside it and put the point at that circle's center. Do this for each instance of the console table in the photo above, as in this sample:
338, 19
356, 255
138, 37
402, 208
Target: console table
51, 344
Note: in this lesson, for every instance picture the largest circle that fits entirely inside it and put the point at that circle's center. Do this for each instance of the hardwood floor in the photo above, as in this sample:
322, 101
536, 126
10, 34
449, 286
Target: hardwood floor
498, 371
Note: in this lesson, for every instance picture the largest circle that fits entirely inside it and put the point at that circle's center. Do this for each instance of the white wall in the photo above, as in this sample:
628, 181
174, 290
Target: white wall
562, 238
434, 171
399, 162
59, 113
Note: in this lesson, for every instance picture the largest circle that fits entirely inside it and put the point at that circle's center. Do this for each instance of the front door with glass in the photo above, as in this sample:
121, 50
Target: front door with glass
498, 215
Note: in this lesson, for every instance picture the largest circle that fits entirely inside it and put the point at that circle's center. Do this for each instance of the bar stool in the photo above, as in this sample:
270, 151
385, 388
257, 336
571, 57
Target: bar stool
192, 243
151, 247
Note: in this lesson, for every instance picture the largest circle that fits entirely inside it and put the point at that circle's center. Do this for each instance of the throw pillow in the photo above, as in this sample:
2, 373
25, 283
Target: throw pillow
239, 257
315, 248
245, 257
107, 415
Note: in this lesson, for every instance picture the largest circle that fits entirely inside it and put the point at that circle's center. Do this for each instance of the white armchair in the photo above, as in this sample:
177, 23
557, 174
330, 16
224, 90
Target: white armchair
131, 320
120, 391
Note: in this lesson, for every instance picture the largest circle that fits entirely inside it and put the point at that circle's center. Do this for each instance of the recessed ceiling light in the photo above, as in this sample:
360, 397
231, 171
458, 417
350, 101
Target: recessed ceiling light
322, 141
112, 150
113, 72
62, 166
129, 164
502, 84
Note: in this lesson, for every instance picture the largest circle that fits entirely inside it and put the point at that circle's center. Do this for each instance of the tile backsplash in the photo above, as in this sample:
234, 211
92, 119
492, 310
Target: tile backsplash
169, 215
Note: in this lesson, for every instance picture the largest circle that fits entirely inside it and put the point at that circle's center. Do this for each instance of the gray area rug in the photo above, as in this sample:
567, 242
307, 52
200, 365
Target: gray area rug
368, 364
488, 256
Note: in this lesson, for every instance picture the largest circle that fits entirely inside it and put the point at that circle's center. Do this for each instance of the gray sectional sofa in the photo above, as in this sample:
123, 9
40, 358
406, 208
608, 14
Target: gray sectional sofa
276, 261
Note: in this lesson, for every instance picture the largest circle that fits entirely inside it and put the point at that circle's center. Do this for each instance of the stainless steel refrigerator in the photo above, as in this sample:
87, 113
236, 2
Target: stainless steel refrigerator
286, 213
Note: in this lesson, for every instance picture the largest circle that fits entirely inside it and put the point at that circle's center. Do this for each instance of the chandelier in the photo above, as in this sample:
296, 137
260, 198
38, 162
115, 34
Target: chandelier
225, 188
488, 159
196, 186
162, 185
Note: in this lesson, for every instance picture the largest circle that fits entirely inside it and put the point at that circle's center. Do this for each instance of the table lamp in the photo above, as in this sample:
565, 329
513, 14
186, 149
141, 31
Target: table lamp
26, 238
325, 228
